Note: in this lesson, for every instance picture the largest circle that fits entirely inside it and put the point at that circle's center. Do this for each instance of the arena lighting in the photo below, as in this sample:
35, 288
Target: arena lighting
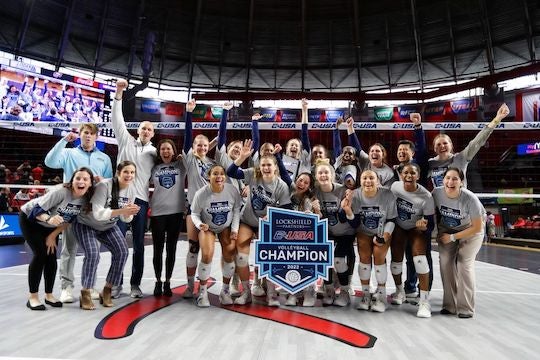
481, 82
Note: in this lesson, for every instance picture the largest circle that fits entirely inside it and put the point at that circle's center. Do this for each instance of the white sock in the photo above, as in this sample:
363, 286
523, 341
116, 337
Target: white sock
225, 287
203, 288
400, 287
365, 289
245, 285
424, 295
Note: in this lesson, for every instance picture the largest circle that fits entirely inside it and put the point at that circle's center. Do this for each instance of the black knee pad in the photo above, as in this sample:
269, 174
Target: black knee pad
194, 247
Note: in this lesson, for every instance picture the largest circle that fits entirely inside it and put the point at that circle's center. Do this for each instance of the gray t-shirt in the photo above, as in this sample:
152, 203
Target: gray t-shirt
374, 211
330, 205
262, 195
197, 172
224, 160
217, 210
456, 214
297, 166
384, 173
58, 201
100, 218
169, 195
460, 160
412, 206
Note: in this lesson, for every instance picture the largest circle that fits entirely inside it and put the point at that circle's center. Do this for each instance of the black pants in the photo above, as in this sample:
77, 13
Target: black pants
343, 247
165, 230
42, 263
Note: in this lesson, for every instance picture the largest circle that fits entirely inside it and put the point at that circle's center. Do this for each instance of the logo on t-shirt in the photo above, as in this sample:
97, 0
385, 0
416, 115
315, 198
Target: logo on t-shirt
450, 217
69, 212
330, 210
260, 198
167, 176
405, 209
219, 211
371, 216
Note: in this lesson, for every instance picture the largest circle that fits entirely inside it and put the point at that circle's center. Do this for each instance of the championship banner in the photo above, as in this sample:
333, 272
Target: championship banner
406, 110
531, 107
150, 106
461, 106
293, 250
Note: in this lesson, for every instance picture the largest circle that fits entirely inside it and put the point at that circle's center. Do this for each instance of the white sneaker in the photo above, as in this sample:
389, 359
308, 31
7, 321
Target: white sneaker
412, 298
424, 309
351, 291
329, 294
272, 300
257, 290
202, 299
188, 293
309, 297
67, 295
365, 301
233, 287
94, 294
291, 300
116, 291
377, 303
225, 298
243, 299
398, 297
343, 299
136, 292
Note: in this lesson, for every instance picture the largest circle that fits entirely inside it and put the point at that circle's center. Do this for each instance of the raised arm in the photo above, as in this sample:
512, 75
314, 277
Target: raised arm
305, 136
480, 139
117, 117
55, 157
336, 139
222, 132
282, 169
188, 134
353, 139
234, 170
255, 135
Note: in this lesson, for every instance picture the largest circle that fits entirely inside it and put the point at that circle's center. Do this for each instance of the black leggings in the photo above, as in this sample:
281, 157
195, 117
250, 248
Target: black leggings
343, 247
42, 263
165, 228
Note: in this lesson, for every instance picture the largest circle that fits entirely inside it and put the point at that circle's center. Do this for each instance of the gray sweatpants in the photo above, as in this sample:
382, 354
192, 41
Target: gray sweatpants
457, 273
67, 257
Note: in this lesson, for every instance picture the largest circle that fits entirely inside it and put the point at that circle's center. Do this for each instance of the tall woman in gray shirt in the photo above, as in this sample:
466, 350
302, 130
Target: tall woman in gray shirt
168, 204
461, 232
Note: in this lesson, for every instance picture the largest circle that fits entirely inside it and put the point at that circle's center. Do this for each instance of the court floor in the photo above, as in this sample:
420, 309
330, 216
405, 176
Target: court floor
506, 324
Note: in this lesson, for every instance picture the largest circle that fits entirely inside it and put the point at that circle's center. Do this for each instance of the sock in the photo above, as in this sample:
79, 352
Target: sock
245, 285
203, 288
381, 289
225, 287
424, 295
191, 281
365, 289
400, 288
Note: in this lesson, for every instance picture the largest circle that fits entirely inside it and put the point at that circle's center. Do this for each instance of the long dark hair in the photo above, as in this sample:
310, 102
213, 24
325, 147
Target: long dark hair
89, 193
115, 191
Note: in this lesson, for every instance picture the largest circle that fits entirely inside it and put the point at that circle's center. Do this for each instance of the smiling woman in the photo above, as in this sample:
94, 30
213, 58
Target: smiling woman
41, 220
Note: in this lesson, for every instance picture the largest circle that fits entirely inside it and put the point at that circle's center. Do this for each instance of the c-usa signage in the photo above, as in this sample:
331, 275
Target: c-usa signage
293, 250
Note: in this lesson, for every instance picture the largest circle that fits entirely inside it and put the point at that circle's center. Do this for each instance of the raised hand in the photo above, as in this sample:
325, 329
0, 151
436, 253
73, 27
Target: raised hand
70, 137
190, 106
416, 119
256, 117
121, 86
277, 149
228, 105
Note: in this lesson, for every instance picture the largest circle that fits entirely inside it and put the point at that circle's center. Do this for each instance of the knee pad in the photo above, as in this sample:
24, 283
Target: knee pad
381, 274
364, 271
421, 264
228, 269
242, 260
396, 268
191, 259
194, 246
204, 271
340, 264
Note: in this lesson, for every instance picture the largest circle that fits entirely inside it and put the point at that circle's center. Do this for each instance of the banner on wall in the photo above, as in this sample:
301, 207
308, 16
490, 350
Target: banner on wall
461, 106
384, 113
320, 115
150, 106
531, 107
280, 115
515, 200
174, 109
434, 109
406, 110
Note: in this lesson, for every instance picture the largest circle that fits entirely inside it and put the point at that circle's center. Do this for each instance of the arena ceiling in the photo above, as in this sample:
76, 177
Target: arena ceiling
279, 45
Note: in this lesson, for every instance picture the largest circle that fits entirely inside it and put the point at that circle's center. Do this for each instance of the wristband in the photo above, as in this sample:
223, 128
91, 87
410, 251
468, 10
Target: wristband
118, 99
452, 238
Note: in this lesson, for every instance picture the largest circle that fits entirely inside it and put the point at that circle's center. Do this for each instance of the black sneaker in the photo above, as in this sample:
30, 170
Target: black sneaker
157, 289
167, 289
